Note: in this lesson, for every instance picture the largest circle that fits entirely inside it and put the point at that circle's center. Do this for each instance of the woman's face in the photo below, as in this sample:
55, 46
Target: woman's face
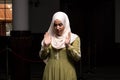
58, 27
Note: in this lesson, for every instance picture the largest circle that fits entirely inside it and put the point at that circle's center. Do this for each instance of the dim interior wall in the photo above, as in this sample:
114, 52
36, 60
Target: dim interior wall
117, 21
40, 16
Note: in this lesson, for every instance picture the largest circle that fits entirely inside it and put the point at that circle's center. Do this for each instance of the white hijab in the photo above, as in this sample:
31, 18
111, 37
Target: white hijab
58, 42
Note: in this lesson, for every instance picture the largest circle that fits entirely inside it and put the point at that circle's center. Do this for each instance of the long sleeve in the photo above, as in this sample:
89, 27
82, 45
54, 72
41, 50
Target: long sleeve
74, 50
44, 52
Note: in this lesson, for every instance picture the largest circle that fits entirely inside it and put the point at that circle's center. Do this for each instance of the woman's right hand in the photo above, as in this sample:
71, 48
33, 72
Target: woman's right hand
47, 39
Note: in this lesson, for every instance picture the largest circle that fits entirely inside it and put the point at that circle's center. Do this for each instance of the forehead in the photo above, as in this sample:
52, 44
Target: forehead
57, 21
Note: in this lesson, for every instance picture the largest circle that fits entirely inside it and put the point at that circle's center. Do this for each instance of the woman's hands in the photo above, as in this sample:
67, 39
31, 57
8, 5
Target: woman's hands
67, 40
47, 39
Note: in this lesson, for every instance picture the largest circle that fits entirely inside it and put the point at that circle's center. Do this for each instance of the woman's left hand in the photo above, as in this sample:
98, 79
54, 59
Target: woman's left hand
67, 40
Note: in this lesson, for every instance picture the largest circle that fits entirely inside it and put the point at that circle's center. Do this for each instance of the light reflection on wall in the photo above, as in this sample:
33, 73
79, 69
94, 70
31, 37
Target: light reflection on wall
5, 17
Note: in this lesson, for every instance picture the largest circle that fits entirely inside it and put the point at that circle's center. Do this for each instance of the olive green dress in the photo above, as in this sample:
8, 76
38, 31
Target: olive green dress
59, 65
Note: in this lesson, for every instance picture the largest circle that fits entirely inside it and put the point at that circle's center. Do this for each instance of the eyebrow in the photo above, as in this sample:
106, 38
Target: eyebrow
60, 24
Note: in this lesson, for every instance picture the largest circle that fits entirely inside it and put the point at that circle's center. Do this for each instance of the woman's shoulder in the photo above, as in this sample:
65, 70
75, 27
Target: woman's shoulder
75, 35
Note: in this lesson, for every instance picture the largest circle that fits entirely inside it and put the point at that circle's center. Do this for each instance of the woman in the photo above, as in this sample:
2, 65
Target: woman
60, 48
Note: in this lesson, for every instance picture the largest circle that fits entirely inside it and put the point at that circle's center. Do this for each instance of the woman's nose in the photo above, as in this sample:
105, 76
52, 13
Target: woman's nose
58, 26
